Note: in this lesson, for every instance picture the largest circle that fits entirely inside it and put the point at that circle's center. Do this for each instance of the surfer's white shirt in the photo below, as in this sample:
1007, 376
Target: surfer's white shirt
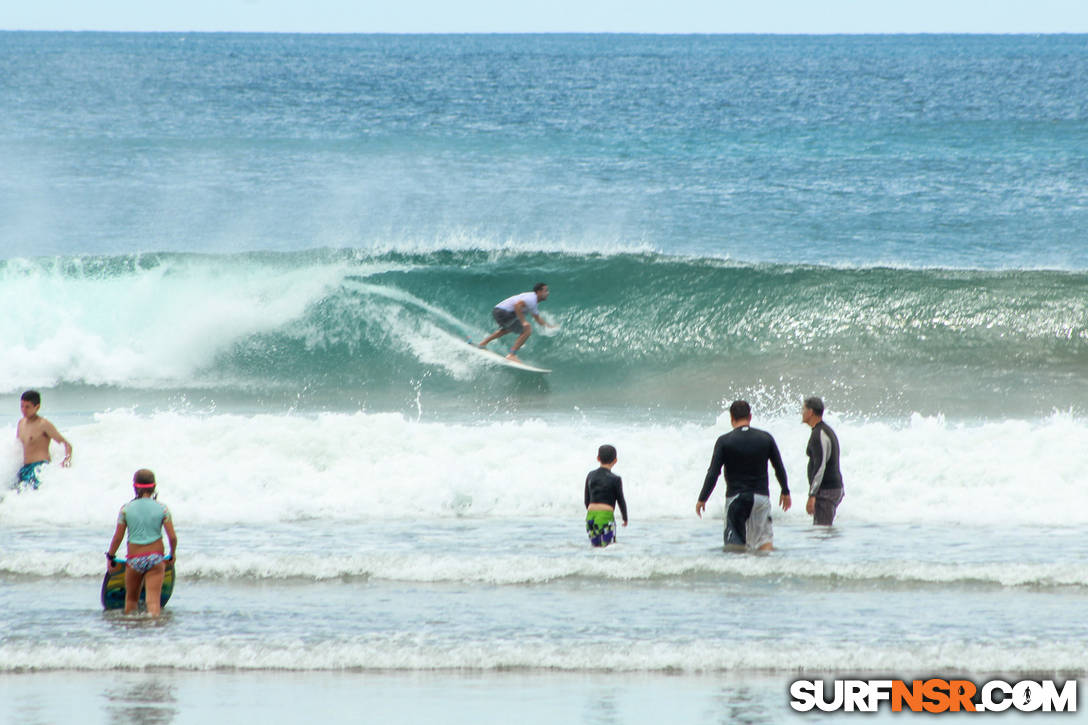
529, 298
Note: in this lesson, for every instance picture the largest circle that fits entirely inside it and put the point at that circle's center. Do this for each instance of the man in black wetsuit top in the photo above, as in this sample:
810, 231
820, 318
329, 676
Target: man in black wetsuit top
744, 453
604, 490
825, 489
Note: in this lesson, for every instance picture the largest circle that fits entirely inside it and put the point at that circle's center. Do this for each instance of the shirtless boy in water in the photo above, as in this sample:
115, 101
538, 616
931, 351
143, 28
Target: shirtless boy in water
35, 433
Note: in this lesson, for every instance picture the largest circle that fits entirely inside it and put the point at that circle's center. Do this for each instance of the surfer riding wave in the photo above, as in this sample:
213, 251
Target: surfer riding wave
510, 316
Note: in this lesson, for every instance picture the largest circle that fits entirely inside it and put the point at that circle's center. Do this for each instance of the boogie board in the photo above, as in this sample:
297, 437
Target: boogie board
501, 359
113, 585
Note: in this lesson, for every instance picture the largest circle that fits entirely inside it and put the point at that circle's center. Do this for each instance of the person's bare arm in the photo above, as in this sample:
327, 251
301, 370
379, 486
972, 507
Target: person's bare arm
118, 535
519, 311
51, 431
172, 537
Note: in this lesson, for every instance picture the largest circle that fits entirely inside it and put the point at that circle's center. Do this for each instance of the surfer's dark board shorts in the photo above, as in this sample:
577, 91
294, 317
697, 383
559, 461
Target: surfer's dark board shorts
827, 503
28, 476
601, 527
748, 520
507, 320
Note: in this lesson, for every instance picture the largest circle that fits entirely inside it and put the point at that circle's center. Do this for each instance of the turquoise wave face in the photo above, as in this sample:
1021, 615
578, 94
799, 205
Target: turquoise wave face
635, 331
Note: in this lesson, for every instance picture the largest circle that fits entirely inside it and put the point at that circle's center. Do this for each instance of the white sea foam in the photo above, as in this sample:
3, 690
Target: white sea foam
486, 566
433, 341
465, 241
284, 468
147, 327
409, 651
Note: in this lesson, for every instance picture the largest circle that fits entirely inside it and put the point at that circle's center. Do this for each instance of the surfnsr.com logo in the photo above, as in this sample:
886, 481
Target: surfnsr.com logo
933, 695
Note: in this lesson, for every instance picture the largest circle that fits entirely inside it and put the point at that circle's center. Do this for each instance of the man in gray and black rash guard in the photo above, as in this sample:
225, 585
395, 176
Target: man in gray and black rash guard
825, 490
744, 453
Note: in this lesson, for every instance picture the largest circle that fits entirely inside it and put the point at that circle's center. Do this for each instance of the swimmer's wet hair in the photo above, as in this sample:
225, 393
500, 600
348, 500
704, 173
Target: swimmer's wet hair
740, 410
33, 397
144, 478
815, 405
606, 454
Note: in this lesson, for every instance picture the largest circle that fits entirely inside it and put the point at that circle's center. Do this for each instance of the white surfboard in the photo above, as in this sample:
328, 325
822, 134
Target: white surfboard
497, 358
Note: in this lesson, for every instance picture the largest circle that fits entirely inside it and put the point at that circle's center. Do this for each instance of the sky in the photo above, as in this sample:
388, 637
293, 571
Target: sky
511, 16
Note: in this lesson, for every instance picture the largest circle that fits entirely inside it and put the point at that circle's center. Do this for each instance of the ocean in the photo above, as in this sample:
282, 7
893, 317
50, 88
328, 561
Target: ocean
252, 263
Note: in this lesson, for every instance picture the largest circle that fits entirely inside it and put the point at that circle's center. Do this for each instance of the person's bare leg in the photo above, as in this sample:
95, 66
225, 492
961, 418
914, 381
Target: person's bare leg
153, 588
133, 581
493, 336
518, 343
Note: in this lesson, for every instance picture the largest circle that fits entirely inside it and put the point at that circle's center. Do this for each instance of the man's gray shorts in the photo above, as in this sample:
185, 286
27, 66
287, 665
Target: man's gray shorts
748, 520
827, 502
507, 320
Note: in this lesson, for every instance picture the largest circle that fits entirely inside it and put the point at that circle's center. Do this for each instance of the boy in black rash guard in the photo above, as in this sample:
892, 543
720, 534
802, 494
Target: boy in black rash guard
744, 453
604, 490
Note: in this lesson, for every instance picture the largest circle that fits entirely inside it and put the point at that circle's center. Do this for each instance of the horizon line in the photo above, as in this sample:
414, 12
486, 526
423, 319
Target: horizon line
873, 33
